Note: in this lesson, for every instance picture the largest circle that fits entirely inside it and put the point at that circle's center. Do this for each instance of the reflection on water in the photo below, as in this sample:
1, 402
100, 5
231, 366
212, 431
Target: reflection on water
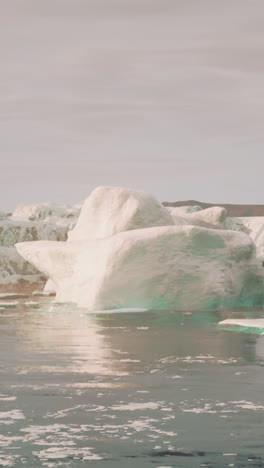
128, 389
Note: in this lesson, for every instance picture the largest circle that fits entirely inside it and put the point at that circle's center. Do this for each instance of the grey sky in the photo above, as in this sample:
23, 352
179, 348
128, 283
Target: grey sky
161, 95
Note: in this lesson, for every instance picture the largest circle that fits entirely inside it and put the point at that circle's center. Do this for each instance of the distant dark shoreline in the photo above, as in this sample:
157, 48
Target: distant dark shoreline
232, 209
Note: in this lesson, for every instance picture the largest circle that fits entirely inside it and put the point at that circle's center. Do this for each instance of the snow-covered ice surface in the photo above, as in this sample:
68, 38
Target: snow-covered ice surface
109, 210
128, 389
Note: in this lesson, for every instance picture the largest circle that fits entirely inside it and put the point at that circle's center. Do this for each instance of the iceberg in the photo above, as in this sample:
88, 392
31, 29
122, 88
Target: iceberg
126, 252
30, 223
41, 211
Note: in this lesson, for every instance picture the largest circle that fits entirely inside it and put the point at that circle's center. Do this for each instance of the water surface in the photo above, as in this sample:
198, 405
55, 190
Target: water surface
148, 389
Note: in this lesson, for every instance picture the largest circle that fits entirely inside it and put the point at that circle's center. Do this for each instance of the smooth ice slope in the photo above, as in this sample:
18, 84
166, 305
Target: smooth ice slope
170, 267
109, 210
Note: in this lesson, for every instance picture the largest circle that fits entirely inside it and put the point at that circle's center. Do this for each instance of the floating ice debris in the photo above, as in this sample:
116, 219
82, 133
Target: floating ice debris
32, 304
129, 360
12, 296
116, 311
43, 293
8, 304
249, 323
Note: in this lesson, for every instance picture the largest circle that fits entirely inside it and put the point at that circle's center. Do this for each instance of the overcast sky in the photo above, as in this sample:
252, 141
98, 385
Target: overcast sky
161, 95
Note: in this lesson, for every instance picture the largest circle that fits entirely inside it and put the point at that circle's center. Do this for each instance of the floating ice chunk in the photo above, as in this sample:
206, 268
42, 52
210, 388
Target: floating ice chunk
32, 304
250, 323
43, 293
9, 304
13, 296
124, 310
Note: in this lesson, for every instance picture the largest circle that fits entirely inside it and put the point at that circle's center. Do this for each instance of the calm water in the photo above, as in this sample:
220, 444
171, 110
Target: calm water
148, 389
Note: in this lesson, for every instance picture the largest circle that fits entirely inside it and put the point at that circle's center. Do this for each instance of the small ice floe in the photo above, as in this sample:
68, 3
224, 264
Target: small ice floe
129, 360
9, 304
32, 304
12, 296
247, 323
123, 310
44, 293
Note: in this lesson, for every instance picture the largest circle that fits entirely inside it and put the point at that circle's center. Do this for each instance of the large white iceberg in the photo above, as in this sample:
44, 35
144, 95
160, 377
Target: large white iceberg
119, 256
